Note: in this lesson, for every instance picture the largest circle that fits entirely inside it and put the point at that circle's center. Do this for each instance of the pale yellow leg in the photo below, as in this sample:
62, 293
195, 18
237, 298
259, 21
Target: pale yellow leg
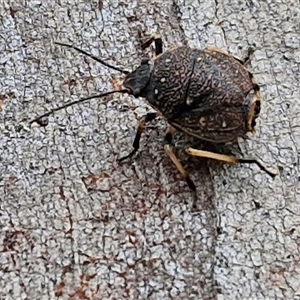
207, 154
175, 161
182, 171
231, 159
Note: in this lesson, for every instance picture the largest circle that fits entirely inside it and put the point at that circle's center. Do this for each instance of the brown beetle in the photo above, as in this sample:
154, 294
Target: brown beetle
206, 94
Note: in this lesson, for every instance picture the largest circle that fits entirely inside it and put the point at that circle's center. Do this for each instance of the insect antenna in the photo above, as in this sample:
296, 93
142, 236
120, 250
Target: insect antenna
93, 57
124, 91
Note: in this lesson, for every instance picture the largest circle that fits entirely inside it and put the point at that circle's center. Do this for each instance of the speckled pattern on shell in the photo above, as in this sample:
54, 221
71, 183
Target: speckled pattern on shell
170, 80
204, 93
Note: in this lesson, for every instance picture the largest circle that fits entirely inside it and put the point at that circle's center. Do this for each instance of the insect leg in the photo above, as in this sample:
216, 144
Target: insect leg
136, 143
177, 163
259, 163
169, 134
248, 58
230, 159
156, 38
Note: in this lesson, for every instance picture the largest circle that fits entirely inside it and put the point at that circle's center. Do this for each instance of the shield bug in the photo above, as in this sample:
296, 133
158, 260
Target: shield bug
206, 94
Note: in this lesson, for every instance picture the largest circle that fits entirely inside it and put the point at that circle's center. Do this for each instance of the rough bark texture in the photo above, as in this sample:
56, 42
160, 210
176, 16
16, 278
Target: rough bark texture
77, 225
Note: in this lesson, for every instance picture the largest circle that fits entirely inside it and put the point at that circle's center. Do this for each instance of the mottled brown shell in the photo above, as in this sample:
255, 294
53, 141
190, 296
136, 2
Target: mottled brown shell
206, 93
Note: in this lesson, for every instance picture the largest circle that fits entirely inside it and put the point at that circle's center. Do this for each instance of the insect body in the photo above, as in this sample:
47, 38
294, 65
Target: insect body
207, 94
204, 93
